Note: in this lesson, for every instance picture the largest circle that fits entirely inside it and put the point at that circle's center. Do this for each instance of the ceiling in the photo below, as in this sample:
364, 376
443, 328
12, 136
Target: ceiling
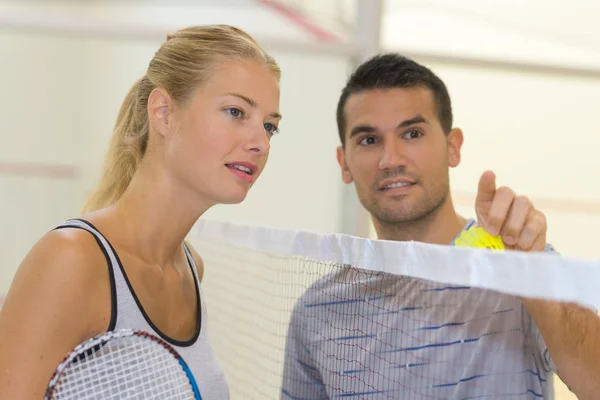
553, 32
152, 18
543, 32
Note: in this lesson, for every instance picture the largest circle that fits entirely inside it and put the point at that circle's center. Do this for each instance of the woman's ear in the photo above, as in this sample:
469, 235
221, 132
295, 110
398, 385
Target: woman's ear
160, 105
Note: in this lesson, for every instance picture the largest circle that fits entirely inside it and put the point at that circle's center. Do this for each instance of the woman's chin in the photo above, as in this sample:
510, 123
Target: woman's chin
233, 198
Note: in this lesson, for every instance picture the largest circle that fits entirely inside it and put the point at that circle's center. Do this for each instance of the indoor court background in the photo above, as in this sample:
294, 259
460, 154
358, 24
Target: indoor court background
524, 78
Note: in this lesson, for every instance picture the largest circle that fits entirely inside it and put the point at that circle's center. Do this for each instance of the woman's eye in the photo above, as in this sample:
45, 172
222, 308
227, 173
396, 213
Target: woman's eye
270, 128
235, 112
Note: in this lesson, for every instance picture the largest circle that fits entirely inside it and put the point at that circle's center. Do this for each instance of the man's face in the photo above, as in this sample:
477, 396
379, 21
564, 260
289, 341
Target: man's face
397, 153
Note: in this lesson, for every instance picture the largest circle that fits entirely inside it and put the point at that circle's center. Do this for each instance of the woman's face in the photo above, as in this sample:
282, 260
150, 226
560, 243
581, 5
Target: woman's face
220, 139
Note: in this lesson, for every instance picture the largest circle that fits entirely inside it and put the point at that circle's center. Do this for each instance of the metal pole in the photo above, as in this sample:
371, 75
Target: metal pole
367, 29
367, 32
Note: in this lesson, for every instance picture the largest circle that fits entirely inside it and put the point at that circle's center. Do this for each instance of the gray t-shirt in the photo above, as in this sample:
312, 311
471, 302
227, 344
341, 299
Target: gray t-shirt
365, 335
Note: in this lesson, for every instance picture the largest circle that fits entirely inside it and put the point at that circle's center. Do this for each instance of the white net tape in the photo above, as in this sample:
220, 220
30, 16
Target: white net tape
540, 275
348, 303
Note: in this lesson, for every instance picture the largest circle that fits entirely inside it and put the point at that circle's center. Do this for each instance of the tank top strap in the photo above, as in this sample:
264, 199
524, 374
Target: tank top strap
111, 260
191, 263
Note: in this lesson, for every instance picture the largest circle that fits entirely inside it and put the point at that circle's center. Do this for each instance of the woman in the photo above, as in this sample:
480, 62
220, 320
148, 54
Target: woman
192, 133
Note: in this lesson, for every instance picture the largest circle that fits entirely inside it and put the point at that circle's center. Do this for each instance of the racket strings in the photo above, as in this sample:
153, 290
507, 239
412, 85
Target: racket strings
128, 368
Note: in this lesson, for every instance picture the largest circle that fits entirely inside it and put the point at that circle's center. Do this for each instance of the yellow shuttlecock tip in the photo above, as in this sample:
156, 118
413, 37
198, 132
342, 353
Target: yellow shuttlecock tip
478, 237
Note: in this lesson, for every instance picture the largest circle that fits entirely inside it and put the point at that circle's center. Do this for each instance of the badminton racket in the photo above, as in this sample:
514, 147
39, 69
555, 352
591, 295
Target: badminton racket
124, 365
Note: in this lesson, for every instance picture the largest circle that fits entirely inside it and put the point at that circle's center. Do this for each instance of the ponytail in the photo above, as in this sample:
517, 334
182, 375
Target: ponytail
125, 152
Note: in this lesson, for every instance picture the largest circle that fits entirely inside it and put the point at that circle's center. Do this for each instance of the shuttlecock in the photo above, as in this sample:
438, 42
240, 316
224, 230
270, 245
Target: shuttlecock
478, 237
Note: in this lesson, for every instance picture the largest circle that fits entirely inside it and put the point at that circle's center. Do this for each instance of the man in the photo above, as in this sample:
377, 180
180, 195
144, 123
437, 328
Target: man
368, 335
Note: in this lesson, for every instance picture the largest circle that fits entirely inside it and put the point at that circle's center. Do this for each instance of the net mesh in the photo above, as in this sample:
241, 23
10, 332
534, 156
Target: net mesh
300, 315
121, 365
255, 293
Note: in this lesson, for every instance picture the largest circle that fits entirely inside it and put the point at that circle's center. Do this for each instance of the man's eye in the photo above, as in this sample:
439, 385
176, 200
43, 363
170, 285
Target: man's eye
414, 134
368, 141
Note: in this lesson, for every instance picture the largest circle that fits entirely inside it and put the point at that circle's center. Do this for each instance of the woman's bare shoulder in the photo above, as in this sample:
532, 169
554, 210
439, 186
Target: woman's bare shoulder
60, 296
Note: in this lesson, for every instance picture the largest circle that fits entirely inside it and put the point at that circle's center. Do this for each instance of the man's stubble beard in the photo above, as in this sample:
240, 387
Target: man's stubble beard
409, 213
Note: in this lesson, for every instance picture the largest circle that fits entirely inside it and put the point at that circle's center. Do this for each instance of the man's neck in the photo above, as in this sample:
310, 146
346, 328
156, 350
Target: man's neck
439, 227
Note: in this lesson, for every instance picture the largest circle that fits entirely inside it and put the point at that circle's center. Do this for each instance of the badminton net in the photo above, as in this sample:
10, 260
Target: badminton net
302, 315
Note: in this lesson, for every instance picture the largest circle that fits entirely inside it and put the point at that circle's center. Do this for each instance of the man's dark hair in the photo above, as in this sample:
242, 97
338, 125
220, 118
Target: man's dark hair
393, 71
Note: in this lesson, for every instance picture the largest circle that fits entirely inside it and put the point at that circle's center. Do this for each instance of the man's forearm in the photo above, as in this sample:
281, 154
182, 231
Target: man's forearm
572, 335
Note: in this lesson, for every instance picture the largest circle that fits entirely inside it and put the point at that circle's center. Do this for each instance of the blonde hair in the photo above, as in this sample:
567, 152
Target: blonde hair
183, 62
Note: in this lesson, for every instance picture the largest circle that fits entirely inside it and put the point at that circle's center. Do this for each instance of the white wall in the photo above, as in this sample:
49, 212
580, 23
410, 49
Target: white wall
539, 133
40, 77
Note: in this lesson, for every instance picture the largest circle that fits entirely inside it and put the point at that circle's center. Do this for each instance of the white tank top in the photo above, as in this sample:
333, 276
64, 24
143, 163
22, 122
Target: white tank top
128, 313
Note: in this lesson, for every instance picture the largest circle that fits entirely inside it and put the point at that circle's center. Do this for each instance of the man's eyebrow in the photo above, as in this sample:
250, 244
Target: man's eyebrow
419, 119
252, 103
362, 129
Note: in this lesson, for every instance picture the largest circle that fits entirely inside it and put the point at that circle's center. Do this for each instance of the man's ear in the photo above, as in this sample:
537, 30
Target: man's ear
160, 105
455, 142
341, 158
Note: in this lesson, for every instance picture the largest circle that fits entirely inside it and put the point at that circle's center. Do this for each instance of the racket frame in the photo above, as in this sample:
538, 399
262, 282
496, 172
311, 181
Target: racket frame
106, 337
